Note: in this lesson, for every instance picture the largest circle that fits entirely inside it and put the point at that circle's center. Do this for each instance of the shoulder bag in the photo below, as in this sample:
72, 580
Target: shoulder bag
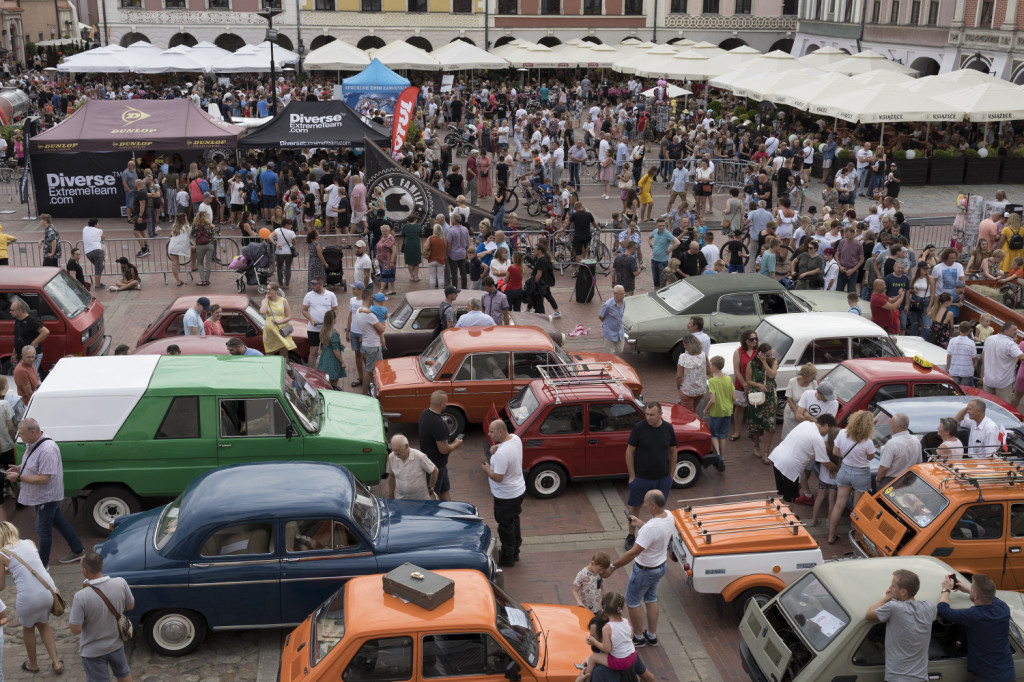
125, 630
291, 247
59, 605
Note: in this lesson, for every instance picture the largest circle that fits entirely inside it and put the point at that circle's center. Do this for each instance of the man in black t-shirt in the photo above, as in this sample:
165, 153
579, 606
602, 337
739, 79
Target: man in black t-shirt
625, 269
737, 252
435, 442
693, 261
28, 331
650, 460
581, 221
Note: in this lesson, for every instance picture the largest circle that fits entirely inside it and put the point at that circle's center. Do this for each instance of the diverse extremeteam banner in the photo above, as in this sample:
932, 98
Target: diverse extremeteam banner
313, 124
405, 107
79, 184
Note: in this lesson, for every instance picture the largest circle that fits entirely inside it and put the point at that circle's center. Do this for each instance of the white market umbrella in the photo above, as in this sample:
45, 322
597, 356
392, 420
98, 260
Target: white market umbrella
459, 55
766, 86
867, 61
883, 77
208, 53
602, 56
645, 60
535, 57
735, 58
672, 91
804, 92
989, 101
886, 104
822, 56
632, 48
109, 59
172, 60
337, 55
142, 50
707, 49
772, 62
686, 65
967, 77
255, 58
573, 54
401, 55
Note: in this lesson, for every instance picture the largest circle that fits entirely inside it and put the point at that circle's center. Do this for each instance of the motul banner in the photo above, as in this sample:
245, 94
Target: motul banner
404, 108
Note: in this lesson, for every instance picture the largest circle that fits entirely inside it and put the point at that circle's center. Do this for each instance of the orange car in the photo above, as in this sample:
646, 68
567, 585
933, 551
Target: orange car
478, 367
363, 634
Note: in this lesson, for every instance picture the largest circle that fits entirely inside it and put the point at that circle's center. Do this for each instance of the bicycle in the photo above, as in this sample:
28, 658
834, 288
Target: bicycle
564, 252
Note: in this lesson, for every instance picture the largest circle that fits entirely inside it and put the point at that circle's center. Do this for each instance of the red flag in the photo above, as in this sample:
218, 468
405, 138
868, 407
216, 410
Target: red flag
404, 108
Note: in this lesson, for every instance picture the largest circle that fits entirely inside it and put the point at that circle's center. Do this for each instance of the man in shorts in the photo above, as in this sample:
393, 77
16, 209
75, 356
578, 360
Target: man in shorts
355, 334
650, 460
582, 221
373, 337
268, 192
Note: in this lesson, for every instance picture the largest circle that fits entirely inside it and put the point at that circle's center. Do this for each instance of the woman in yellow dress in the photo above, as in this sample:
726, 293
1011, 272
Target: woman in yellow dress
646, 200
1007, 242
278, 315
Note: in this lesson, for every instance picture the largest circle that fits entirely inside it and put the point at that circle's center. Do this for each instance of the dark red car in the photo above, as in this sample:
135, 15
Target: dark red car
574, 432
241, 318
862, 384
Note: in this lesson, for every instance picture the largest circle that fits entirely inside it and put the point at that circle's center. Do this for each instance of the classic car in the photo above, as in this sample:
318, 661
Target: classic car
241, 318
478, 634
410, 328
216, 345
924, 414
70, 313
968, 511
817, 629
656, 322
138, 426
861, 384
477, 367
825, 340
577, 430
261, 545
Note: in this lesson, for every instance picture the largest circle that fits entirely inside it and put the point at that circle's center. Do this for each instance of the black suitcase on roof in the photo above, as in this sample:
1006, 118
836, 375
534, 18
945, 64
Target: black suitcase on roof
427, 590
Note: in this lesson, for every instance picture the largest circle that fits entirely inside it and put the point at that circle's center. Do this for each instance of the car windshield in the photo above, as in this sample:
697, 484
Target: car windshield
523, 405
814, 611
432, 360
70, 296
916, 498
167, 523
366, 509
780, 343
516, 626
845, 382
328, 626
401, 315
679, 296
303, 398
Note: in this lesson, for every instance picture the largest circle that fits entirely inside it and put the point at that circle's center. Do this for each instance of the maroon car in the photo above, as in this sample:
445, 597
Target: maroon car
241, 318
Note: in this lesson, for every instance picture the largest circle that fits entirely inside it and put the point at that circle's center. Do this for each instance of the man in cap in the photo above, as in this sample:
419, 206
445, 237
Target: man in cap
363, 267
194, 317
206, 207
813, 404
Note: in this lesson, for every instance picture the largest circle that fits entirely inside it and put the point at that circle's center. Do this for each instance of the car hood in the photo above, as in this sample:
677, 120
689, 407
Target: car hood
681, 417
427, 525
563, 631
726, 350
915, 345
397, 372
644, 308
629, 374
828, 302
125, 550
353, 417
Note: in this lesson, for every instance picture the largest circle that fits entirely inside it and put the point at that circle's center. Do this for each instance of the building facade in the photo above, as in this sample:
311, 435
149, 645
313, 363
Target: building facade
932, 36
25, 22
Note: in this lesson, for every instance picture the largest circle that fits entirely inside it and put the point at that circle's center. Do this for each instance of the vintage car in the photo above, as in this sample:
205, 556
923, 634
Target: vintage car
145, 426
478, 634
825, 340
261, 545
817, 629
577, 429
241, 318
410, 328
861, 384
742, 549
70, 313
656, 322
478, 367
924, 414
968, 511
216, 345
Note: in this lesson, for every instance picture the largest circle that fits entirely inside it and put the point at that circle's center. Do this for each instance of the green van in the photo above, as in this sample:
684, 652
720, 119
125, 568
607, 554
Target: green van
146, 425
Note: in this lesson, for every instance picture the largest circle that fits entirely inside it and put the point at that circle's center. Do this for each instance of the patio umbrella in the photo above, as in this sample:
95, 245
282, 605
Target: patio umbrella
686, 65
883, 77
603, 56
337, 55
707, 49
646, 58
885, 104
208, 53
733, 59
989, 101
772, 62
459, 55
255, 58
802, 93
109, 59
967, 77
823, 56
171, 60
765, 86
401, 55
867, 61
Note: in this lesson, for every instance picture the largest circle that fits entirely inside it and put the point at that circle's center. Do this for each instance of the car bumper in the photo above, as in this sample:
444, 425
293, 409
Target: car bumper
857, 546
105, 347
750, 665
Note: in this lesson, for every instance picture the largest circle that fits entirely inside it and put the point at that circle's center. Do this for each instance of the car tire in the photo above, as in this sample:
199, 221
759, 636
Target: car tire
294, 357
455, 420
106, 503
687, 471
547, 480
174, 632
761, 595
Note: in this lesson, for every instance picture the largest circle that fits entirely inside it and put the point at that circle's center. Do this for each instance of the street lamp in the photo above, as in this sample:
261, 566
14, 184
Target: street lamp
269, 13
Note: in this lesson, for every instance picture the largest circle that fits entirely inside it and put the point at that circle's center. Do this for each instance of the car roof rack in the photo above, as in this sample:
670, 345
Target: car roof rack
979, 472
754, 515
575, 374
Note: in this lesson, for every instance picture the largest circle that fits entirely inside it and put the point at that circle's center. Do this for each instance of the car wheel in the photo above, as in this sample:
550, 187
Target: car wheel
547, 480
294, 357
780, 409
687, 470
106, 503
758, 595
173, 632
455, 420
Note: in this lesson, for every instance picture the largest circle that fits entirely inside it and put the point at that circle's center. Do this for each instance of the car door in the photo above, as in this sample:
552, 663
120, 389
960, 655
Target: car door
237, 324
558, 436
319, 555
973, 540
253, 429
1015, 545
947, 660
460, 655
236, 574
379, 659
932, 389
482, 379
608, 428
825, 353
182, 441
526, 364
735, 312
776, 303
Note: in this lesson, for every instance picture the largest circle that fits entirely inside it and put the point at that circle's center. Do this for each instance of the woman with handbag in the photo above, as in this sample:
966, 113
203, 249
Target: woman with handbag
922, 289
284, 251
316, 265
855, 447
435, 253
740, 359
179, 248
624, 181
37, 595
542, 278
762, 404
277, 332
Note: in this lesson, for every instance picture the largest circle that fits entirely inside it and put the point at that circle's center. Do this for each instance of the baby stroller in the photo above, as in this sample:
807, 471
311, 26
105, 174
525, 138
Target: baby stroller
254, 267
334, 268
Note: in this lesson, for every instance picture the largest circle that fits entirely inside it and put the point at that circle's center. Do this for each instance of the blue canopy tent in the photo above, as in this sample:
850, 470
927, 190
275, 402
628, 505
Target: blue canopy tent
376, 87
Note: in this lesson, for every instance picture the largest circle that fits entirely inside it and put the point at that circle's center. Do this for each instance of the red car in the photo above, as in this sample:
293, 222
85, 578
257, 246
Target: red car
573, 432
862, 384
241, 318
217, 345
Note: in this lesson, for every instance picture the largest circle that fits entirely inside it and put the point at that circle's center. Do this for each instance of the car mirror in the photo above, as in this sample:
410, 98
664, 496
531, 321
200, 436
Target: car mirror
289, 431
512, 672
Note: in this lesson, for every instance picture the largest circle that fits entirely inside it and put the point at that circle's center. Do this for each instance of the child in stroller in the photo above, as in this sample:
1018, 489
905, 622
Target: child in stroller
254, 266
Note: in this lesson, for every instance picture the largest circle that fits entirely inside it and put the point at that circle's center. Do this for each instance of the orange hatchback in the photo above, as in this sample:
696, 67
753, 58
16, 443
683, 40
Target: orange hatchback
363, 634
477, 367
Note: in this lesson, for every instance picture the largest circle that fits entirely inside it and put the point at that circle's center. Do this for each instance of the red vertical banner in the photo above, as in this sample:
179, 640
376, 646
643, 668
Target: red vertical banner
404, 108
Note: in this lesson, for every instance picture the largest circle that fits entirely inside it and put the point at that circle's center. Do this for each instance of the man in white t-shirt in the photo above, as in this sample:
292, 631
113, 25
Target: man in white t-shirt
648, 555
355, 333
373, 338
984, 439
505, 477
771, 143
999, 361
865, 157
801, 446
813, 404
363, 268
315, 305
92, 244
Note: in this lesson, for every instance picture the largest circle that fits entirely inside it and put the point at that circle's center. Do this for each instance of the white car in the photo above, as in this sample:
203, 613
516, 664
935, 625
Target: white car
825, 340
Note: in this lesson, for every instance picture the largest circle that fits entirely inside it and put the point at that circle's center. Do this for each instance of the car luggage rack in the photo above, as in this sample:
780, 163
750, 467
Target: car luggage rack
574, 374
762, 514
964, 470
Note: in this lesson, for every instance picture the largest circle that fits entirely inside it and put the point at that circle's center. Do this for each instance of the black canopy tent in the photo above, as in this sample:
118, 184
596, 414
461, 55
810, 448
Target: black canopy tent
315, 124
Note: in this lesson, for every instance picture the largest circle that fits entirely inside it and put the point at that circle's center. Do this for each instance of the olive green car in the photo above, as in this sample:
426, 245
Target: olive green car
656, 322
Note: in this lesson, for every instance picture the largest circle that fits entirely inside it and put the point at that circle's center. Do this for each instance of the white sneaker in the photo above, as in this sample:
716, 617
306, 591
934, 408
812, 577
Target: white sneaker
159, 229
557, 313
604, 196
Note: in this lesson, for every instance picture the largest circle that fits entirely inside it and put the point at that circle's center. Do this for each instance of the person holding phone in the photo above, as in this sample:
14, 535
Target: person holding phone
908, 629
505, 477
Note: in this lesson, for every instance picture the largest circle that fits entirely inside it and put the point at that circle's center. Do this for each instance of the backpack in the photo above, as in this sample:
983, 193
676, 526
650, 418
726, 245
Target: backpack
1016, 242
442, 320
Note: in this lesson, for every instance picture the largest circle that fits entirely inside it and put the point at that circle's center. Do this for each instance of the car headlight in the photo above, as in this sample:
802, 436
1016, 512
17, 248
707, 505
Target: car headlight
85, 336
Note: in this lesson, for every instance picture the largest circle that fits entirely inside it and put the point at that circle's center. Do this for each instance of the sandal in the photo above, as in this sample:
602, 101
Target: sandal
24, 666
356, 384
734, 438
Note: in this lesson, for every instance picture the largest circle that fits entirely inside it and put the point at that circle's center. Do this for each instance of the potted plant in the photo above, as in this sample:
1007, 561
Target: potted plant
947, 167
1013, 167
913, 167
982, 167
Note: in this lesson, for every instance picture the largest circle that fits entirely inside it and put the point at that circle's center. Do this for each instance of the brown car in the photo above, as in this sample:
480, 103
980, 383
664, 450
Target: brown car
410, 329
